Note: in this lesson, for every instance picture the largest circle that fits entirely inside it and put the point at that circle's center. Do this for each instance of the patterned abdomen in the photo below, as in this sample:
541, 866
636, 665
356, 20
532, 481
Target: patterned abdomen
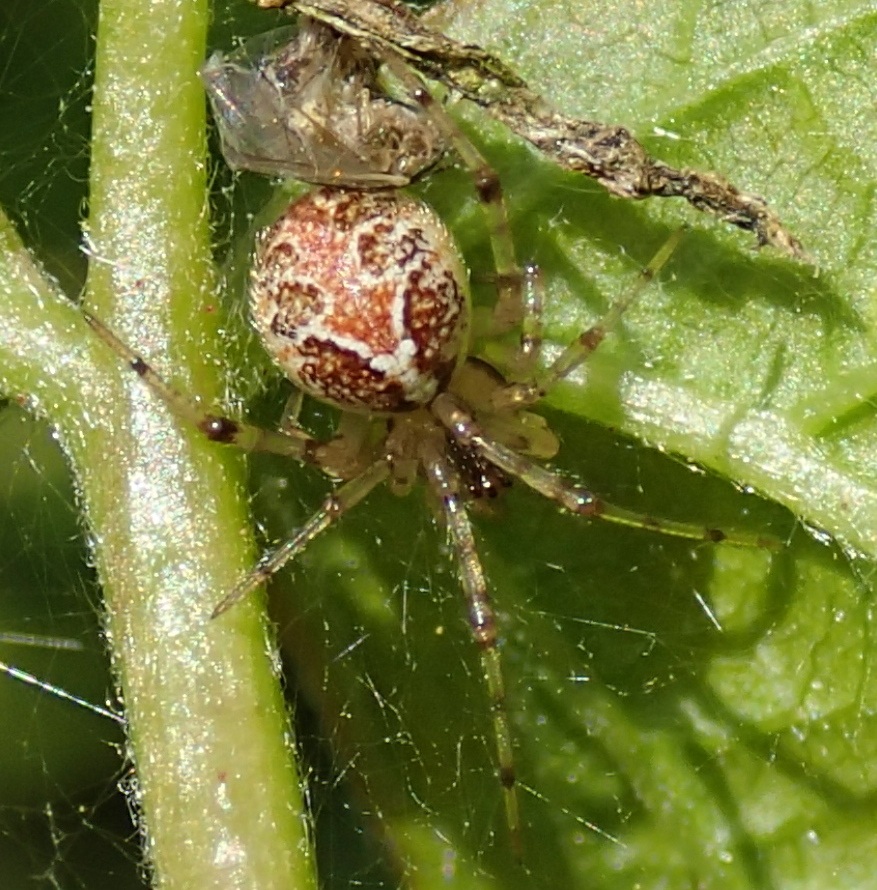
361, 298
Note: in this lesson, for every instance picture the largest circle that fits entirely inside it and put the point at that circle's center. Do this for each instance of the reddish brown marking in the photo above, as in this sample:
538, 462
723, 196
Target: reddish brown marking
365, 315
358, 298
338, 374
592, 338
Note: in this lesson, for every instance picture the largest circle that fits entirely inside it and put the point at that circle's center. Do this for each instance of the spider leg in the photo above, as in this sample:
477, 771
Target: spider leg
512, 295
291, 442
578, 352
30, 680
342, 499
570, 496
336, 457
482, 622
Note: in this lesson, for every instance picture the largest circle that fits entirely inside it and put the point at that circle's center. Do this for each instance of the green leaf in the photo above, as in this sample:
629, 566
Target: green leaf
683, 715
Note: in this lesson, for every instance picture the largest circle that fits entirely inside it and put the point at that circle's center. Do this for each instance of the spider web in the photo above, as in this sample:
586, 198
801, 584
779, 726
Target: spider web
61, 820
683, 716
62, 823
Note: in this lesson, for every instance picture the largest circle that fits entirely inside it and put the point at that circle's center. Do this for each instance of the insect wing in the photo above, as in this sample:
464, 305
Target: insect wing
250, 109
279, 105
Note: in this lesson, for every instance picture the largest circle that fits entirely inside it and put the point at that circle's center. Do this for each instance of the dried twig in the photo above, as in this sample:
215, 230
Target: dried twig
609, 154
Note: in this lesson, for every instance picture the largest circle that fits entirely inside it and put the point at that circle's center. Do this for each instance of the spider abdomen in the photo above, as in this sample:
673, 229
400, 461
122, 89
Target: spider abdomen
361, 298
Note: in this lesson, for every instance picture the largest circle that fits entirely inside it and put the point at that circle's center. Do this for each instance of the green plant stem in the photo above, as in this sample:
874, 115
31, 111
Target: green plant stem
216, 786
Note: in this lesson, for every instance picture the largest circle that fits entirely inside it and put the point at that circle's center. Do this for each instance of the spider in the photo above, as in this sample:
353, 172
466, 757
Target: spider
360, 295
